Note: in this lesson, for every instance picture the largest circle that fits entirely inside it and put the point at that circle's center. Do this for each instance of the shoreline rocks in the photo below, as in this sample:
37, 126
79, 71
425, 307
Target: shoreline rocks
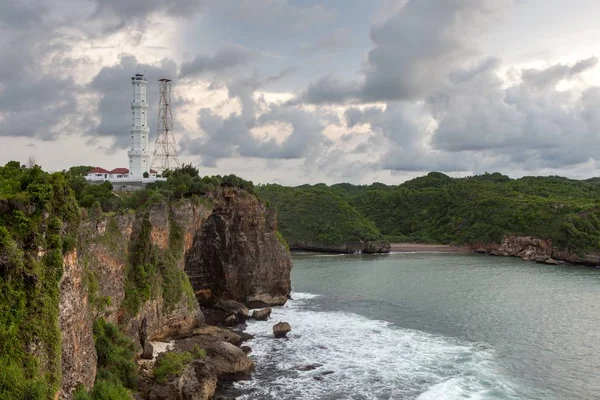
281, 329
262, 315
530, 248
366, 247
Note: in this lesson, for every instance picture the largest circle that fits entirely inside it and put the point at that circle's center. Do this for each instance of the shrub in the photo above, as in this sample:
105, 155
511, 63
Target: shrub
106, 390
116, 354
171, 364
198, 352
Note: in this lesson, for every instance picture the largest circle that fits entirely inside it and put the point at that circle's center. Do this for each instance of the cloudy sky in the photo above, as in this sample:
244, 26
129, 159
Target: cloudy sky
307, 91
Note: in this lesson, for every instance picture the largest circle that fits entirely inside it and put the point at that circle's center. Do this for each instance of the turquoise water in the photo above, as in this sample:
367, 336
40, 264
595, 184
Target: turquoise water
432, 326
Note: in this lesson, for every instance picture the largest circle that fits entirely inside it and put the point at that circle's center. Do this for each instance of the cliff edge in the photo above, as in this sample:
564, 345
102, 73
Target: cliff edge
237, 255
132, 270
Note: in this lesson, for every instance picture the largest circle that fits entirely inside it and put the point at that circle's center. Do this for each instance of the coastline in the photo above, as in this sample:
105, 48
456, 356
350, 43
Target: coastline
427, 248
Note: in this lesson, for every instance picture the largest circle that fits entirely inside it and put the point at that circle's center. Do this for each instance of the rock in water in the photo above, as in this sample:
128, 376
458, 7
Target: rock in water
308, 367
230, 361
281, 329
262, 315
148, 353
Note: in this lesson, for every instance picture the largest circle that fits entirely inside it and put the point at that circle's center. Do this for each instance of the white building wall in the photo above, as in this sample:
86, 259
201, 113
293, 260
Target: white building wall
139, 153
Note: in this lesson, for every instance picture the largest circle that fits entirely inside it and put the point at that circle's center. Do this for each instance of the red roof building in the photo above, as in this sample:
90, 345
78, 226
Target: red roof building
98, 170
120, 171
153, 171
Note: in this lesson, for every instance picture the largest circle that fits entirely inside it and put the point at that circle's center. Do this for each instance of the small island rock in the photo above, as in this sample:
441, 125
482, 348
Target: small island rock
281, 329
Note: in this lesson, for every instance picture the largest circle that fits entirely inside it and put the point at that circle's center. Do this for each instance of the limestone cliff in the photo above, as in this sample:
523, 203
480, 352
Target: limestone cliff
237, 254
531, 248
130, 269
99, 281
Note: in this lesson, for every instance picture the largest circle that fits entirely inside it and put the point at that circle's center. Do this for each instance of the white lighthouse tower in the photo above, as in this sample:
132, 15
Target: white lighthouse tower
139, 157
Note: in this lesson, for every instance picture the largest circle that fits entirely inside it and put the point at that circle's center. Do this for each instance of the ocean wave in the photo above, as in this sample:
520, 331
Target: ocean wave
361, 358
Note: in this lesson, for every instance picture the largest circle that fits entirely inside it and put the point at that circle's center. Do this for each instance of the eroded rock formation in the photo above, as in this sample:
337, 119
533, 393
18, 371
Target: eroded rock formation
237, 255
230, 250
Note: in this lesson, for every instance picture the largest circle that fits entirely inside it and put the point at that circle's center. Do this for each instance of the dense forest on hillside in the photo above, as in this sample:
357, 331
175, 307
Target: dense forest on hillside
40, 215
317, 214
439, 209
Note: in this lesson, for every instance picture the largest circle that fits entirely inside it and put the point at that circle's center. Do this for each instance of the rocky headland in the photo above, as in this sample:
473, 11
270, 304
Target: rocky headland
530, 248
134, 271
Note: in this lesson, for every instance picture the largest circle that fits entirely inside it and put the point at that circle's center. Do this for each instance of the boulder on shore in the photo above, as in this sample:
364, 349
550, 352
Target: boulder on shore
376, 246
198, 381
231, 320
281, 329
231, 363
235, 308
262, 315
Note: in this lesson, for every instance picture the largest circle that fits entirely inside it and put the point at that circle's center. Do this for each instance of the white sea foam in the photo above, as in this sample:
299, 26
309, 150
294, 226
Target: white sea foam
370, 359
298, 296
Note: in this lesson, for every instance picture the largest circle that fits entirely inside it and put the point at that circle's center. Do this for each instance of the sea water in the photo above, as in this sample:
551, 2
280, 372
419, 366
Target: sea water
431, 326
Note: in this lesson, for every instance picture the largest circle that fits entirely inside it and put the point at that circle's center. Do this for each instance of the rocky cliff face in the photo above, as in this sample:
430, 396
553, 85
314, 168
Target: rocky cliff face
237, 254
130, 269
368, 247
531, 248
95, 283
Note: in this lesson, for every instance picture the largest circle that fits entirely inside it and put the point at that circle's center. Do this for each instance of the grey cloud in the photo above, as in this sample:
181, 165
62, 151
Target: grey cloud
224, 59
282, 15
116, 14
329, 90
355, 116
33, 101
416, 52
416, 48
541, 78
532, 124
232, 136
21, 14
335, 40
401, 159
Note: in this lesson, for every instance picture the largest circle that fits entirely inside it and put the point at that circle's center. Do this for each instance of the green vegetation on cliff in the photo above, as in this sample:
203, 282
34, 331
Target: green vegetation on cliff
152, 271
439, 209
117, 370
38, 221
39, 226
316, 214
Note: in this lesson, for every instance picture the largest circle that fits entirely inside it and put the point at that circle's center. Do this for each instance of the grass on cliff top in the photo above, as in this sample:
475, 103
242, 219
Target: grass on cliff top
183, 182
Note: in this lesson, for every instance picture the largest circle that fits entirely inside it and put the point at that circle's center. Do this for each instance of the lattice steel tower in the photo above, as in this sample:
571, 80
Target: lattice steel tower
165, 148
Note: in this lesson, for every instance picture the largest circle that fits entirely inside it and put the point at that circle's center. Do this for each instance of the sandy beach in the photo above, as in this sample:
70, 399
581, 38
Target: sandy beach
416, 247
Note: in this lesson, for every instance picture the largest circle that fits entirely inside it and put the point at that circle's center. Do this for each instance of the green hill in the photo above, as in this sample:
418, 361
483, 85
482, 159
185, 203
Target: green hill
439, 209
316, 214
